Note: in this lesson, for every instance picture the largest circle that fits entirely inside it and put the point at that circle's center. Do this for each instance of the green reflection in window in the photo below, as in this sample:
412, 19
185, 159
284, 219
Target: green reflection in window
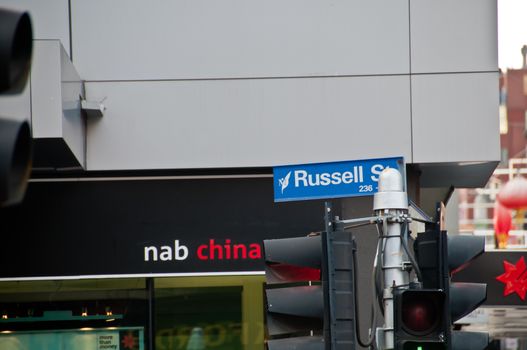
198, 318
209, 313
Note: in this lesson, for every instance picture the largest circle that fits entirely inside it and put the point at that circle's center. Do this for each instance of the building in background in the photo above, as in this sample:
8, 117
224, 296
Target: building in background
513, 108
156, 127
478, 206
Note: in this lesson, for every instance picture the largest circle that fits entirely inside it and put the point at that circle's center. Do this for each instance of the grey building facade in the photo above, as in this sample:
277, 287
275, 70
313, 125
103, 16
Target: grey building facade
157, 97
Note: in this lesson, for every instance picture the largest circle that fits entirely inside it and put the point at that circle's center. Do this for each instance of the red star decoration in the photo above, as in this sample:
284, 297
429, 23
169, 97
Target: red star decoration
514, 278
129, 341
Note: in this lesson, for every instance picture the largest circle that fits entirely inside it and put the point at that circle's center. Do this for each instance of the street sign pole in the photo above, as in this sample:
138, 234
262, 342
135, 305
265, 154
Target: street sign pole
390, 205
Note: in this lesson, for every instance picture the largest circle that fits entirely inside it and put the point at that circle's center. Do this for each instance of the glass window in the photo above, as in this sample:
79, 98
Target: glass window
199, 313
177, 313
75, 312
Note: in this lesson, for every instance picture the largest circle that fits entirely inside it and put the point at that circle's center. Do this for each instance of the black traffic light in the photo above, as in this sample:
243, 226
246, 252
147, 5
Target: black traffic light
438, 256
295, 306
309, 292
465, 297
15, 137
419, 320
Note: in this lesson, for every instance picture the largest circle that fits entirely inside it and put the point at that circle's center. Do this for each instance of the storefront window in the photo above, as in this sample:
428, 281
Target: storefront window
217, 313
198, 318
176, 313
108, 314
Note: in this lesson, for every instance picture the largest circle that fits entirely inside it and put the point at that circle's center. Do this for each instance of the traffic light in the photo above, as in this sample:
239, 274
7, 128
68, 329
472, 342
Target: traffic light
296, 308
465, 297
15, 137
438, 256
419, 321
309, 292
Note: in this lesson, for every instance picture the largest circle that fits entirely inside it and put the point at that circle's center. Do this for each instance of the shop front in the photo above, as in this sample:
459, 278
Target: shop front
150, 263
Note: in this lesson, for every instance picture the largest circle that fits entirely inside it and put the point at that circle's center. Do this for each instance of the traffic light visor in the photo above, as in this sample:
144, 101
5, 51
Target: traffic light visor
293, 259
284, 273
462, 249
16, 45
15, 160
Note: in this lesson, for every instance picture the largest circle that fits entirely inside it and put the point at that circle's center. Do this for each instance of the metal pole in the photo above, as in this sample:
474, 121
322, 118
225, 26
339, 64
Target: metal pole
389, 204
329, 287
150, 290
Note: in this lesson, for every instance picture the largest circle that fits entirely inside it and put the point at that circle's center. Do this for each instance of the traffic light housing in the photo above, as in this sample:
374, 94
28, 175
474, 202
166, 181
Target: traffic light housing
309, 292
294, 296
15, 137
419, 319
15, 160
438, 256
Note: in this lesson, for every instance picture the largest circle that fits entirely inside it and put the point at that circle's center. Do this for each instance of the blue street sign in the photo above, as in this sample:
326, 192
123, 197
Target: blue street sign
331, 180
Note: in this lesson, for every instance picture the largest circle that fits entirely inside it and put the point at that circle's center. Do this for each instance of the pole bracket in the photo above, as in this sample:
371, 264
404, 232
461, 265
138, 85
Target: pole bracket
93, 108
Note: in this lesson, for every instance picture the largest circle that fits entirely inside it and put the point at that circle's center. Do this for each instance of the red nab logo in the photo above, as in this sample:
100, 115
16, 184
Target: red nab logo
514, 278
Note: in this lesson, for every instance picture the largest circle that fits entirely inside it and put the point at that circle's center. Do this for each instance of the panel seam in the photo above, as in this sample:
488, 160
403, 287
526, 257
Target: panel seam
287, 77
70, 31
410, 81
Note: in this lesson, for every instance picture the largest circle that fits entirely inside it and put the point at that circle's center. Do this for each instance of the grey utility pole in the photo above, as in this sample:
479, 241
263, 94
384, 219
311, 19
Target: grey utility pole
390, 205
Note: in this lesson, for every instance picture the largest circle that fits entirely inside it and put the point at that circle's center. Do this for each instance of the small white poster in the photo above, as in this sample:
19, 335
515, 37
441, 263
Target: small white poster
511, 344
108, 341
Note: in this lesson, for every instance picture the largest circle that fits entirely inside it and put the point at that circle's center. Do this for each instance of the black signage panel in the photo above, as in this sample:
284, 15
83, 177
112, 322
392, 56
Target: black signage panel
505, 273
149, 226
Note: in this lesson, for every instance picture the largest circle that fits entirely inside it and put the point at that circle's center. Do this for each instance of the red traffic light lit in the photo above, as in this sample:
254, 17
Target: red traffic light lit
421, 311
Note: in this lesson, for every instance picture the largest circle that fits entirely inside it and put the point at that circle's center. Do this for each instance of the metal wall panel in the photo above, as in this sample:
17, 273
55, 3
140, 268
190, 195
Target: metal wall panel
73, 121
49, 18
455, 117
182, 39
454, 36
54, 104
201, 84
46, 90
248, 123
18, 106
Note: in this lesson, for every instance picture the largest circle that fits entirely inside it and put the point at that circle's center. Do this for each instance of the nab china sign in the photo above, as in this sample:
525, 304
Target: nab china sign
331, 180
